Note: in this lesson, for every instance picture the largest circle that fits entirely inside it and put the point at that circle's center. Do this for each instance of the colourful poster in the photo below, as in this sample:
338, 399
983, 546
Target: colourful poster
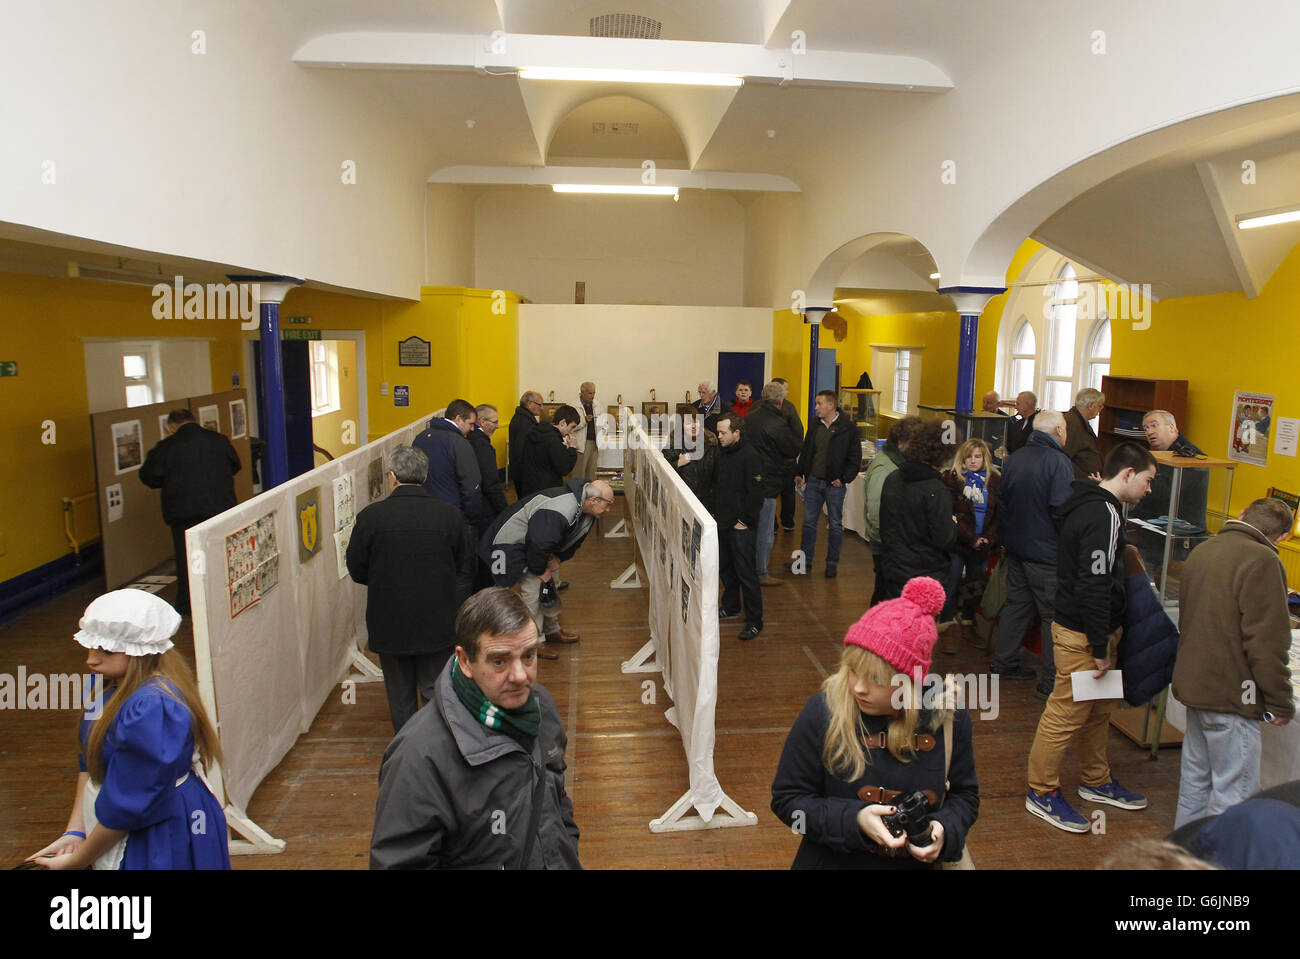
307, 522
1252, 420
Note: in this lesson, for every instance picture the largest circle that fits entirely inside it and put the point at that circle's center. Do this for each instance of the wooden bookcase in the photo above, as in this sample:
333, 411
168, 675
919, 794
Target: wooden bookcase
1129, 395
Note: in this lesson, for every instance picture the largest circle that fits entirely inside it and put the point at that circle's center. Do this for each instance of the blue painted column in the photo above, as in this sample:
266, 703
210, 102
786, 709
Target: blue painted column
969, 302
966, 348
813, 316
269, 292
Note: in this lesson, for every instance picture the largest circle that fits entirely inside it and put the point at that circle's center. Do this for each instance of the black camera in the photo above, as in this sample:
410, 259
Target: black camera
547, 595
913, 818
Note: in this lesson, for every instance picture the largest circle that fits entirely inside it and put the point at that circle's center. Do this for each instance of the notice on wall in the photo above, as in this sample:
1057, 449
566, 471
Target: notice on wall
252, 563
113, 494
307, 510
1288, 435
345, 518
1252, 418
375, 479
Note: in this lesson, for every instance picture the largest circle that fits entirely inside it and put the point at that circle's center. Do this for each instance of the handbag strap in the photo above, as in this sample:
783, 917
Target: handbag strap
947, 752
534, 817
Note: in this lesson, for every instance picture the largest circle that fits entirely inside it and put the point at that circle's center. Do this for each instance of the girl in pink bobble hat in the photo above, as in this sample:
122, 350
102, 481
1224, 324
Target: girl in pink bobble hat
868, 740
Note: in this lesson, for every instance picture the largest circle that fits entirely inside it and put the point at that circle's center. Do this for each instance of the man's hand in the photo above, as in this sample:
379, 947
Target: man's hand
873, 826
740, 525
1279, 720
838, 483
799, 482
683, 459
931, 852
1103, 667
981, 542
1095, 477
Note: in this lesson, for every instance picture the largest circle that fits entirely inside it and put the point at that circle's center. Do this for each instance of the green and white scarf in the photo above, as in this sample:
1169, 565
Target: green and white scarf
521, 724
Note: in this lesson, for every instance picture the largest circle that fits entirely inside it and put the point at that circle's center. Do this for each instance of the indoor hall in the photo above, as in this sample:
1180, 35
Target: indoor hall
948, 201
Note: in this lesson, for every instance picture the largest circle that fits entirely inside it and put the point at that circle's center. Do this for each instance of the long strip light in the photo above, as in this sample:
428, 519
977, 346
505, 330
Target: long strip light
1250, 221
615, 189
599, 75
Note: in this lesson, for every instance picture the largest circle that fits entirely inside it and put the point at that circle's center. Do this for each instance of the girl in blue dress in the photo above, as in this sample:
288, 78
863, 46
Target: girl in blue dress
140, 803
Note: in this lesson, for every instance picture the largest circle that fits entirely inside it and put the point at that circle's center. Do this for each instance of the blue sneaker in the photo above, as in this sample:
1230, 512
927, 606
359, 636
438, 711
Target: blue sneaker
1113, 794
1054, 809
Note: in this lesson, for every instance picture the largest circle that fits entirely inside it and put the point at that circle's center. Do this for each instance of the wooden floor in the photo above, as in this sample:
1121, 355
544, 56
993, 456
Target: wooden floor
626, 763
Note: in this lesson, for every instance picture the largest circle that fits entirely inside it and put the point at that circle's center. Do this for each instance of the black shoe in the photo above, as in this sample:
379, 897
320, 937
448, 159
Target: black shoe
831, 570
788, 529
750, 631
723, 614
562, 584
1014, 672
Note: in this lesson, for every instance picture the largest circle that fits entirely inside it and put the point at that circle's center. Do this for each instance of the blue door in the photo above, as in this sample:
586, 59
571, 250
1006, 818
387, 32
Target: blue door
734, 367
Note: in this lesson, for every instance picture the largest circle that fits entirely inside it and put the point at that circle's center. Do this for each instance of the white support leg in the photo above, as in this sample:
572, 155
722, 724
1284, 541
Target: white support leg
642, 661
620, 531
366, 671
256, 841
728, 815
628, 579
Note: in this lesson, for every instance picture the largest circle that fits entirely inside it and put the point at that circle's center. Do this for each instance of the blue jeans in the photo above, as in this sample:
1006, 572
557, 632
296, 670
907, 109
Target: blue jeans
1220, 764
815, 492
765, 536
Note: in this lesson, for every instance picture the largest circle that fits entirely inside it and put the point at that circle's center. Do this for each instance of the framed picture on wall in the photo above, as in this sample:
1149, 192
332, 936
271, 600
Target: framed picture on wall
652, 407
238, 420
210, 418
549, 410
128, 447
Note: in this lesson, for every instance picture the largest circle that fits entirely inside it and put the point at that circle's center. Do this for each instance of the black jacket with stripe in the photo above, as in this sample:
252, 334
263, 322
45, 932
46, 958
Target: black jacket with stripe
521, 539
1090, 593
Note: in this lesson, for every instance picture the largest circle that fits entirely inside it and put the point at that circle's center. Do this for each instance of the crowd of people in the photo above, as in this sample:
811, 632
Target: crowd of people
463, 600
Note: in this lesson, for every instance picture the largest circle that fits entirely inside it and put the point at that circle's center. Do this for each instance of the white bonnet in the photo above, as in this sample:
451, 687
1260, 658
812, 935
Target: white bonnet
130, 621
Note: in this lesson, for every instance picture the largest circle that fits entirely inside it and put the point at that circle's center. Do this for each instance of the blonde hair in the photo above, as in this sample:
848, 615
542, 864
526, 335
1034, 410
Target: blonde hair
1153, 854
139, 671
843, 753
963, 451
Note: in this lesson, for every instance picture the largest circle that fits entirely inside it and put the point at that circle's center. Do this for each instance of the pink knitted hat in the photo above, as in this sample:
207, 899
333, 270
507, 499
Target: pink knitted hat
902, 631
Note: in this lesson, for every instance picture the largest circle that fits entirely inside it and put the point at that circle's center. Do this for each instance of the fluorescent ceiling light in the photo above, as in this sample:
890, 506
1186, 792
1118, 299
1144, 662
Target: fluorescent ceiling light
613, 188
934, 276
597, 75
1249, 221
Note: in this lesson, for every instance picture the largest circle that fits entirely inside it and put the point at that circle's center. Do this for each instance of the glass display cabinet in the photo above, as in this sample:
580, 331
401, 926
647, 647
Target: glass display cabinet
862, 407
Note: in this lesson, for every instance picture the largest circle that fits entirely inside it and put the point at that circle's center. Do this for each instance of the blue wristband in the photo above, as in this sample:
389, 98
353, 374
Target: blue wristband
73, 832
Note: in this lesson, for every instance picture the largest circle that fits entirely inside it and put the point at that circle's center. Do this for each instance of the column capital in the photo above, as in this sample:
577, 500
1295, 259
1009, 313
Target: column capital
815, 314
971, 300
270, 288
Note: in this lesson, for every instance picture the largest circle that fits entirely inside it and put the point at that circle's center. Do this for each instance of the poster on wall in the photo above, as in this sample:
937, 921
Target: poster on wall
266, 553
344, 518
238, 420
128, 447
307, 512
210, 418
113, 494
1252, 419
241, 569
375, 479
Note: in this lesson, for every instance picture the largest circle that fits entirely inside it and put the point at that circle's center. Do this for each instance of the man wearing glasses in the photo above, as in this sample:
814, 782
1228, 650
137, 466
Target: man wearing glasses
530, 407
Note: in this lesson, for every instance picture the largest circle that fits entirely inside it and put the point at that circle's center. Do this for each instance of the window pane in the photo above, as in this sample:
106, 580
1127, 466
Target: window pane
320, 394
1095, 372
1069, 288
1100, 348
904, 359
317, 351
1022, 376
139, 396
1059, 396
134, 367
1025, 342
1061, 360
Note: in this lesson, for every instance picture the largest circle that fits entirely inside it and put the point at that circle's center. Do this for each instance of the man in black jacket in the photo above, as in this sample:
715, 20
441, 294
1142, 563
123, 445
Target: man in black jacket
766, 431
737, 503
407, 549
547, 459
1022, 427
523, 420
791, 416
453, 475
1090, 603
195, 470
832, 455
486, 422
525, 545
711, 404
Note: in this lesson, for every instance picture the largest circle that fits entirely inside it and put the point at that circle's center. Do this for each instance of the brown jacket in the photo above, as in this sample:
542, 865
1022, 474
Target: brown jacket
1081, 445
1235, 633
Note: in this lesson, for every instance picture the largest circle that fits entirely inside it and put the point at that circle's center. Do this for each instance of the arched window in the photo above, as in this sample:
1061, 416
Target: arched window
1024, 357
1058, 380
1098, 355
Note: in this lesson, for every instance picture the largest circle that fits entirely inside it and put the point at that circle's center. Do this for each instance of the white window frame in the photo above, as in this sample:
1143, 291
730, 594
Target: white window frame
324, 377
152, 377
884, 370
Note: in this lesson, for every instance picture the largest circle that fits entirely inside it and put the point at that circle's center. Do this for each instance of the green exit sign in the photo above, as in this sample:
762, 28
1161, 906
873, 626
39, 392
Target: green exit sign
300, 334
300, 320
8, 367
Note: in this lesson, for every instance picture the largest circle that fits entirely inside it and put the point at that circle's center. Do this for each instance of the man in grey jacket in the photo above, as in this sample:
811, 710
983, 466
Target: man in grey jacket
476, 779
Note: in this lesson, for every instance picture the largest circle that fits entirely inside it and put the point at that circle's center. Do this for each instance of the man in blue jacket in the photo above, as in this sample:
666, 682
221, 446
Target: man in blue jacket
1091, 598
1035, 482
454, 476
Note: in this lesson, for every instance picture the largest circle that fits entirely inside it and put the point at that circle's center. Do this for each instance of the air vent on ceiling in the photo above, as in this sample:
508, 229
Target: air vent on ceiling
625, 25
618, 129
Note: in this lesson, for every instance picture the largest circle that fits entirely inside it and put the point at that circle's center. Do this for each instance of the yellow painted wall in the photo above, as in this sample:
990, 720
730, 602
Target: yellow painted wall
936, 332
790, 346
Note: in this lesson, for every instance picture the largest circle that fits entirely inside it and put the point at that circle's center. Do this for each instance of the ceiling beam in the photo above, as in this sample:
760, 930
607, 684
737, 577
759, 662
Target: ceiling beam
1228, 229
613, 176
754, 62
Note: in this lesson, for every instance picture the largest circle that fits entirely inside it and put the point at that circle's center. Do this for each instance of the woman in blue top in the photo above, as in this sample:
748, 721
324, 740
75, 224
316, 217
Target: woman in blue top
973, 483
140, 803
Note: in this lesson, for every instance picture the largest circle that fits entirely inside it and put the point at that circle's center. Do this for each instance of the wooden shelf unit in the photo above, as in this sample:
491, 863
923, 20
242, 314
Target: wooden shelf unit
1137, 394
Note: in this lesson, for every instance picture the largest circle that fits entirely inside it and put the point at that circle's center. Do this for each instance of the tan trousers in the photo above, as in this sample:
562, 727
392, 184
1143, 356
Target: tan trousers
1063, 720
528, 588
585, 467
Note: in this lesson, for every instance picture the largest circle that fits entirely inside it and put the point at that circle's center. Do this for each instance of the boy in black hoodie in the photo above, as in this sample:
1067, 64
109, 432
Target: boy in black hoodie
737, 499
1090, 602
